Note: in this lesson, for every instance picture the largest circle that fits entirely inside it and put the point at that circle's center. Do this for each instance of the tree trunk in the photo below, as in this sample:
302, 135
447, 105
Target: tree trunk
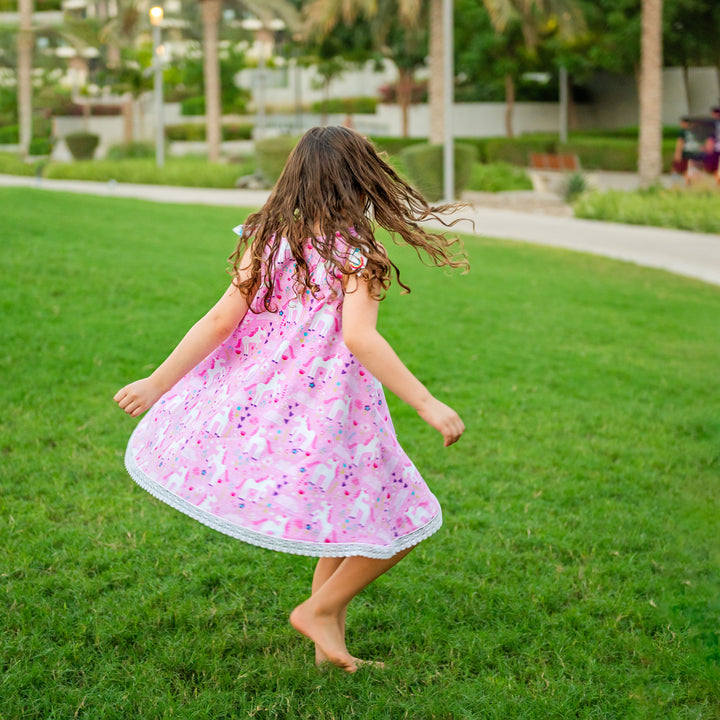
650, 143
404, 97
24, 74
436, 81
211, 68
509, 104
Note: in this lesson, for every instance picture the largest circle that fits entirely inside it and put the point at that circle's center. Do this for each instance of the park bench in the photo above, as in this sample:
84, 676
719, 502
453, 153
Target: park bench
547, 170
552, 161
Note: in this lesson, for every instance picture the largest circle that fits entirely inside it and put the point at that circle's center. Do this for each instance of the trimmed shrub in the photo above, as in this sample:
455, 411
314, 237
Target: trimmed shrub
424, 165
12, 164
395, 145
40, 146
193, 106
516, 151
237, 131
348, 106
196, 132
616, 154
185, 132
135, 149
271, 155
498, 177
82, 145
9, 135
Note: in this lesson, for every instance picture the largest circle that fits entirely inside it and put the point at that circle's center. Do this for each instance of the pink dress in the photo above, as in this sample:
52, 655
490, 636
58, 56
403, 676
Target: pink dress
281, 438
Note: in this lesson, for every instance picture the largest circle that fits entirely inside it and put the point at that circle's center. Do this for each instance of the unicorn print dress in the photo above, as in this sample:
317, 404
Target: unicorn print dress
281, 438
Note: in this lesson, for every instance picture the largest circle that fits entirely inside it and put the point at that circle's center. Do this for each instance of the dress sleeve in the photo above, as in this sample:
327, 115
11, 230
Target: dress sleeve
356, 260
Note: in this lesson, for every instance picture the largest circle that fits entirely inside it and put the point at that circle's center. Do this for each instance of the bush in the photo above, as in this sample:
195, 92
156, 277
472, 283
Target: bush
196, 132
424, 165
271, 155
682, 209
135, 149
395, 145
237, 131
346, 106
9, 135
498, 177
82, 145
185, 132
516, 151
12, 164
615, 154
40, 146
193, 106
188, 172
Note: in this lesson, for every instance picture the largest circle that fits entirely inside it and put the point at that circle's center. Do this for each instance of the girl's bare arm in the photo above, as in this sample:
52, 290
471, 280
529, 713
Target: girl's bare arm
359, 320
198, 343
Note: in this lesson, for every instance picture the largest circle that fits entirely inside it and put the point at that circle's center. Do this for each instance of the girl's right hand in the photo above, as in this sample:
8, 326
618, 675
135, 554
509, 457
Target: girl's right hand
138, 396
444, 419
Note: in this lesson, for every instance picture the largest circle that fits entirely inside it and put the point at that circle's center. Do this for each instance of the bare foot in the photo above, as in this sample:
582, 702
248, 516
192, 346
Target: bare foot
324, 631
322, 659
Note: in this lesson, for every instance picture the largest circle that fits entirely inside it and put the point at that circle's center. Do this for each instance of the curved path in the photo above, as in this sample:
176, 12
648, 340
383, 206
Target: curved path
695, 255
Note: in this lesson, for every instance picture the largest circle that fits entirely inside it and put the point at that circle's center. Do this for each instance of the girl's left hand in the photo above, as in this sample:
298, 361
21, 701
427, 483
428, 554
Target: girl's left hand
137, 397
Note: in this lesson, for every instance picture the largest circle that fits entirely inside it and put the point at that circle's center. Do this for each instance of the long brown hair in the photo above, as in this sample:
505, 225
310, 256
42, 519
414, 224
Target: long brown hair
333, 182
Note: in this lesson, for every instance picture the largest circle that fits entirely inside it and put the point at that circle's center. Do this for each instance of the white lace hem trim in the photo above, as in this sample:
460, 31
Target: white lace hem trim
295, 547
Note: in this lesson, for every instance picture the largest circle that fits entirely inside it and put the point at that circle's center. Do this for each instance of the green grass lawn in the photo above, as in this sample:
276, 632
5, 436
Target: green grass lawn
576, 575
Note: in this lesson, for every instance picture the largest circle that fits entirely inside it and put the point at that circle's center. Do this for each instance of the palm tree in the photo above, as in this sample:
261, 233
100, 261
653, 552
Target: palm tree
535, 18
211, 72
650, 141
24, 74
211, 12
396, 30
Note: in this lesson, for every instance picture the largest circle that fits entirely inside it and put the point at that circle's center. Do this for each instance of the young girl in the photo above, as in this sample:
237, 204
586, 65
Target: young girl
268, 420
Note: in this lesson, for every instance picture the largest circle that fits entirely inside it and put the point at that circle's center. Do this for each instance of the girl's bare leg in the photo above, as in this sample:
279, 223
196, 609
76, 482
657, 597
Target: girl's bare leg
324, 569
319, 617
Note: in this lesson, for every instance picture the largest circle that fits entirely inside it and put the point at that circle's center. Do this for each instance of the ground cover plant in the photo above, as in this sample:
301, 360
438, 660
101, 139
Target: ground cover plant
575, 576
188, 171
682, 208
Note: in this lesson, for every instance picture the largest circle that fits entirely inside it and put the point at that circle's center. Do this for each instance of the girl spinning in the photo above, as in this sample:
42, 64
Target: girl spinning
268, 421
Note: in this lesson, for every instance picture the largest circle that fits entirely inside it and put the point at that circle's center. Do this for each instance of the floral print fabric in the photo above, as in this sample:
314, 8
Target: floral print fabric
283, 439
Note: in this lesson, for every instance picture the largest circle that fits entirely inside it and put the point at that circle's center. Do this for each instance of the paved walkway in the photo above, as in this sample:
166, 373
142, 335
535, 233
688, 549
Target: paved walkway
695, 255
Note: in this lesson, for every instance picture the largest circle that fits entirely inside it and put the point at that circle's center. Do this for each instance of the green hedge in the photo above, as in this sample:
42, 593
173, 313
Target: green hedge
187, 172
516, 151
9, 135
349, 106
40, 146
271, 155
594, 152
196, 132
12, 164
136, 149
395, 145
498, 177
675, 208
424, 165
613, 154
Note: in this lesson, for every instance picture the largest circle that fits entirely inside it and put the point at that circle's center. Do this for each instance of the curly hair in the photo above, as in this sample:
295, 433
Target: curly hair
333, 191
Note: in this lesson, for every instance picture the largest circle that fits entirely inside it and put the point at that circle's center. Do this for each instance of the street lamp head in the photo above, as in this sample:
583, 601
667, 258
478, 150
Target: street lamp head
156, 15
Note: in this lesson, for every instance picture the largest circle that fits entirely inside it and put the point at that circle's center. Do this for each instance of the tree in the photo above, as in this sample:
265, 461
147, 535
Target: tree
650, 142
211, 64
211, 12
396, 31
535, 20
24, 74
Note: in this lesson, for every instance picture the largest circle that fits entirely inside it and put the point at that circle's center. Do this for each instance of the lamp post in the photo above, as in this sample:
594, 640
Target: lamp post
156, 18
448, 100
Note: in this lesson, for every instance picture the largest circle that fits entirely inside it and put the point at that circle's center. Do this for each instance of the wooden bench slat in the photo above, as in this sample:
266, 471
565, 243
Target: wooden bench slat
550, 161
